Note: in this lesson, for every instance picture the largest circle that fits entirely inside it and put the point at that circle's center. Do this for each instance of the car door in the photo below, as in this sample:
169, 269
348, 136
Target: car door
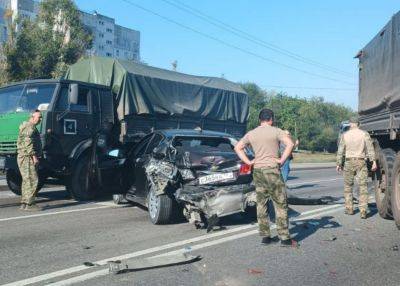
79, 123
141, 161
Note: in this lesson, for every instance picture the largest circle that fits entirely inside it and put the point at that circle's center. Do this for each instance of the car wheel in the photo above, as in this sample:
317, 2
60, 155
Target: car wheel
160, 207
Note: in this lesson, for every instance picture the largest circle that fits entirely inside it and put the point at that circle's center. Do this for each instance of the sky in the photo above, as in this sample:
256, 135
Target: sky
304, 48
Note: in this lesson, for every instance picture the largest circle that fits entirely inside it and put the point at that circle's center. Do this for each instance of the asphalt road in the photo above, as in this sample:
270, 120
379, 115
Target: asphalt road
333, 249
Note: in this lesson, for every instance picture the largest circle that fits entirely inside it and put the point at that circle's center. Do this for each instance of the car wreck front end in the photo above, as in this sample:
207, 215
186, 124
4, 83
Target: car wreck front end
203, 174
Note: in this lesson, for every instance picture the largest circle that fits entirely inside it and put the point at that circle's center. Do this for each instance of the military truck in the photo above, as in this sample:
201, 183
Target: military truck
379, 109
94, 116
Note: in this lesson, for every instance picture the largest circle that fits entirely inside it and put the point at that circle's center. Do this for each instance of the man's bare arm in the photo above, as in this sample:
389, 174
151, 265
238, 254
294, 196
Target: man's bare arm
288, 150
239, 149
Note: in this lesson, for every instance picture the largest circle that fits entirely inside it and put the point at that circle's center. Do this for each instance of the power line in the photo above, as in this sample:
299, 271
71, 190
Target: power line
231, 45
244, 35
306, 87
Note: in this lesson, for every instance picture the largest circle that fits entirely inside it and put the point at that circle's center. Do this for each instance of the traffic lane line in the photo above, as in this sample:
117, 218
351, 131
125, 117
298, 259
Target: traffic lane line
103, 272
72, 270
97, 206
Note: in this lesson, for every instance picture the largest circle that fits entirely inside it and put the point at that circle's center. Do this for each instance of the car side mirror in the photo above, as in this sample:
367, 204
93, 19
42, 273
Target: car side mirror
73, 92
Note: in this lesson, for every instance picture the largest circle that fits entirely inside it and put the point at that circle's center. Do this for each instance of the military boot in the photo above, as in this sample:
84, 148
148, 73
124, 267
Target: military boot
33, 208
363, 214
349, 211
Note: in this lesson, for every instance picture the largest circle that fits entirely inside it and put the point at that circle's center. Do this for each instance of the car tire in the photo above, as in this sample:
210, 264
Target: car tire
395, 196
382, 180
160, 207
78, 184
14, 181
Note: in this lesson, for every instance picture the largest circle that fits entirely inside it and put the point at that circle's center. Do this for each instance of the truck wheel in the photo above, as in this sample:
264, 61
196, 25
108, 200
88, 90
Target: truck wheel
79, 185
395, 198
160, 207
14, 181
383, 182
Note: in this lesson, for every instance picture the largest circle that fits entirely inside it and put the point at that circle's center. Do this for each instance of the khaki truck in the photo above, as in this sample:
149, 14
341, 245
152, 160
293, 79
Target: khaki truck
379, 110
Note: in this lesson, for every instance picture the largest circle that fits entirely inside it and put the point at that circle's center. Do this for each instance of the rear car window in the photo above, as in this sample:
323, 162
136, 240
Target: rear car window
203, 144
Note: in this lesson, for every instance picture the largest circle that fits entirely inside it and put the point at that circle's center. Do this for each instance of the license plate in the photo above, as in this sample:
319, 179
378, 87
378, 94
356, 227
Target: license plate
2, 163
215, 178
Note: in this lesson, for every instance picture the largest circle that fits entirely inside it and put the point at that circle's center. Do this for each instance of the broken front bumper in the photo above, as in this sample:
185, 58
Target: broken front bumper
220, 201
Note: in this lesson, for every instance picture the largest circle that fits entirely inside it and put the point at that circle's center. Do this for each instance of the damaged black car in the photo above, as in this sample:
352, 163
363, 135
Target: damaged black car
191, 172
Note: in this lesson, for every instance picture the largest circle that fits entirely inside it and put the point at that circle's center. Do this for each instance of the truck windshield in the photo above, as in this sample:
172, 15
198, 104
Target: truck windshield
25, 97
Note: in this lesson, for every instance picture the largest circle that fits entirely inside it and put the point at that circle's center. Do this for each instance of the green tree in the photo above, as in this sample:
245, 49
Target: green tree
315, 122
46, 46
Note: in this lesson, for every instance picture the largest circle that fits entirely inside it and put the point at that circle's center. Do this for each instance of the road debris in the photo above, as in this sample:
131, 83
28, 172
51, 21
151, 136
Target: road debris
395, 248
255, 271
331, 238
138, 264
295, 244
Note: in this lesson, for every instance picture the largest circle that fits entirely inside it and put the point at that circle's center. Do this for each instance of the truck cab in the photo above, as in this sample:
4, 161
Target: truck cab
74, 113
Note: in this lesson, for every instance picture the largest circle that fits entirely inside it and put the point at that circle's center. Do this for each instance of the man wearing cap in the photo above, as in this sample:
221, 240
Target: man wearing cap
265, 140
29, 150
355, 147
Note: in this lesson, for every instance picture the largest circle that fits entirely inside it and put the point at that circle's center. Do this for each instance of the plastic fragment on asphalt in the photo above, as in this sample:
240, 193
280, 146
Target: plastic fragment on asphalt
135, 264
90, 264
395, 248
331, 238
255, 271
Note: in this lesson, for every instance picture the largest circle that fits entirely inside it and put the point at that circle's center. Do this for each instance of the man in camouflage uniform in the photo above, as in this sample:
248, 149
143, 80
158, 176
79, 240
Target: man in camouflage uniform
265, 140
355, 147
29, 150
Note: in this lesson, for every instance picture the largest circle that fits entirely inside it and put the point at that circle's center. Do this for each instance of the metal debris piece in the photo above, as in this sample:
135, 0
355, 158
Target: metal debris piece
255, 271
90, 264
138, 264
295, 244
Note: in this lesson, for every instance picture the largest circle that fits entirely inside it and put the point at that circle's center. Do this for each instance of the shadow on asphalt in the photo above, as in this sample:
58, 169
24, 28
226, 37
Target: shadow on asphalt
305, 228
302, 186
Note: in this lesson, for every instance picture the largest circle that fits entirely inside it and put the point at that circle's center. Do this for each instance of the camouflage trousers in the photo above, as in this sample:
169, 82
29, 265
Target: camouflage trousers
355, 169
29, 179
269, 185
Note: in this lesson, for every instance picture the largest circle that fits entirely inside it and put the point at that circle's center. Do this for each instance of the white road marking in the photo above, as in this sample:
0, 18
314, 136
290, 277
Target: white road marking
104, 272
52, 213
103, 262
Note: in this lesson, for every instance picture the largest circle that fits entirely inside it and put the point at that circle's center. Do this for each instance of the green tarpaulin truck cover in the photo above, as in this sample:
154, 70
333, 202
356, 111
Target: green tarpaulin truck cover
380, 70
142, 89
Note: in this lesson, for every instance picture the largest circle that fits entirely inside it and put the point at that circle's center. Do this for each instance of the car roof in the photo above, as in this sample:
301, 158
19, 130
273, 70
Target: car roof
170, 133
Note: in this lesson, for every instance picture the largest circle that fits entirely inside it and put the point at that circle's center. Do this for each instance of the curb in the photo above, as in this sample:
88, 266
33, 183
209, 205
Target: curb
312, 166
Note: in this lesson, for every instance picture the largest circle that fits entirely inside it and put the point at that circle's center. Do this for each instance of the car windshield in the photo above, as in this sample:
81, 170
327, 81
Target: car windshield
25, 97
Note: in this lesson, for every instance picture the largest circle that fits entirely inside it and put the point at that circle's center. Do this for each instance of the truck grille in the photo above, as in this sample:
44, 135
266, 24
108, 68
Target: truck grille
8, 147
